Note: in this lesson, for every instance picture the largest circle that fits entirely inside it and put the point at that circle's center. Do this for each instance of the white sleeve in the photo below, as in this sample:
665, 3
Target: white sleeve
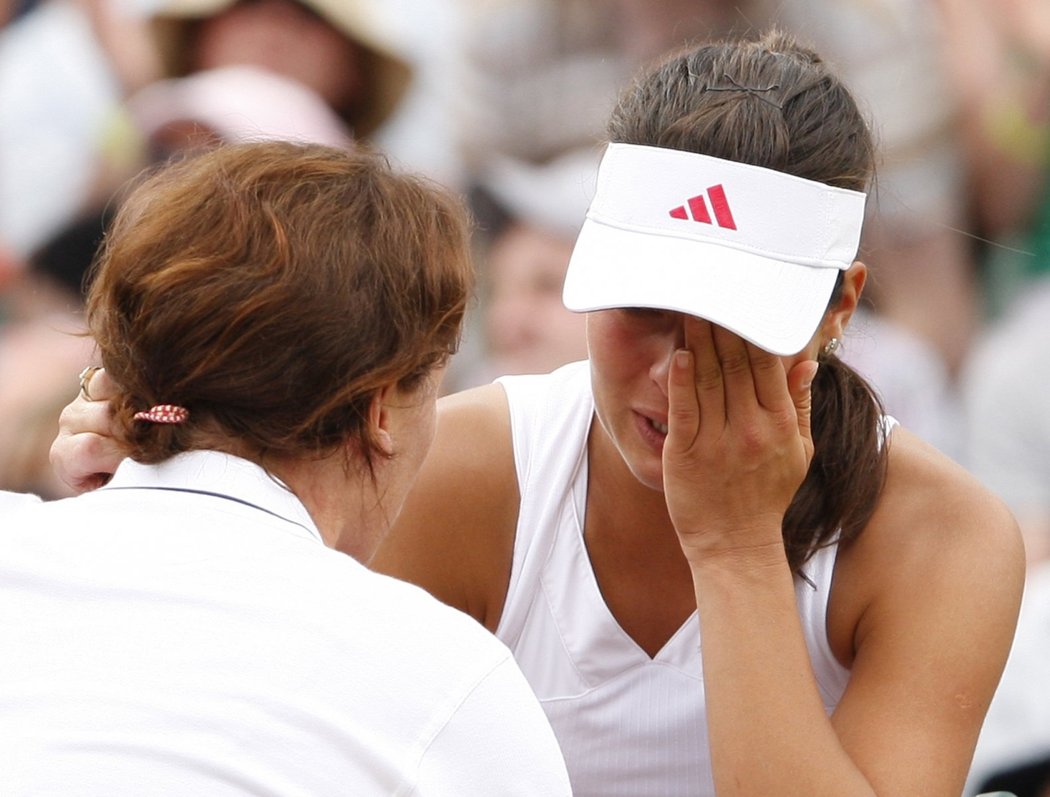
9, 501
497, 742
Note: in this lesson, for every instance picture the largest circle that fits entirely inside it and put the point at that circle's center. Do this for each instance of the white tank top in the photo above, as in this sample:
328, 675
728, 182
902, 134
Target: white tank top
628, 725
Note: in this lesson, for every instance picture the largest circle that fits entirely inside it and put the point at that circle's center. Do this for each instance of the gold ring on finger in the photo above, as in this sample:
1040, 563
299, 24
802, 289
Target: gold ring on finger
85, 380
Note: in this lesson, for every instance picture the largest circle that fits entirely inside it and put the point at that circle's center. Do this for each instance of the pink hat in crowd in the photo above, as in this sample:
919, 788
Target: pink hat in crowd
239, 103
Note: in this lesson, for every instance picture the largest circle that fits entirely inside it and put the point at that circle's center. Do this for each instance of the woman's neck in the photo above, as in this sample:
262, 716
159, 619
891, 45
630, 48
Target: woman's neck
632, 545
342, 501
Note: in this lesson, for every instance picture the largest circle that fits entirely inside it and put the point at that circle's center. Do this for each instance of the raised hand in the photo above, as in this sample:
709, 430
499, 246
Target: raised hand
85, 453
738, 443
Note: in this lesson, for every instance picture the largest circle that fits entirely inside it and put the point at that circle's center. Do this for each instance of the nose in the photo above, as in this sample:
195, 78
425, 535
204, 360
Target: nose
671, 339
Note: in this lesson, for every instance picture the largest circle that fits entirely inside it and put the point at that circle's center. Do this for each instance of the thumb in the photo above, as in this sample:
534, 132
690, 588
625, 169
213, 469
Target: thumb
800, 381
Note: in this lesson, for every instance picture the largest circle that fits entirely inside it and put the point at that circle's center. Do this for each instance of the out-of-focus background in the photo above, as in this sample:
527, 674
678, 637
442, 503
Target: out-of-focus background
504, 101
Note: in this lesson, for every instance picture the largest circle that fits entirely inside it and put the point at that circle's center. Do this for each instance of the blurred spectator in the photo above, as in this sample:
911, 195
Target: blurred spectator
527, 328
231, 104
56, 93
528, 220
1007, 429
66, 65
999, 57
336, 48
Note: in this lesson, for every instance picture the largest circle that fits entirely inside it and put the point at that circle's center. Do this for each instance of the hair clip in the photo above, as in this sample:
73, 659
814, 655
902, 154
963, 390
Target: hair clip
753, 91
163, 413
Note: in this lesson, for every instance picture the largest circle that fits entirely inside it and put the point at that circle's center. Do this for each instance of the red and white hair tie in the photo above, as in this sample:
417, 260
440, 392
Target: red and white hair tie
163, 413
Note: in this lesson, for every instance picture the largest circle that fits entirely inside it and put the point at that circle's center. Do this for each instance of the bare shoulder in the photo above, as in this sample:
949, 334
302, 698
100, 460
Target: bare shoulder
455, 535
933, 507
936, 526
923, 610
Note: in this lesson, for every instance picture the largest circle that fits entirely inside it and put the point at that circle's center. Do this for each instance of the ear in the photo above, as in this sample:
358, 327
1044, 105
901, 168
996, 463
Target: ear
379, 419
838, 316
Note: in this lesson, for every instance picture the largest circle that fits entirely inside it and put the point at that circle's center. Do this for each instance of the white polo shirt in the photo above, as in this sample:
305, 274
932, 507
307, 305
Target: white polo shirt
184, 631
9, 502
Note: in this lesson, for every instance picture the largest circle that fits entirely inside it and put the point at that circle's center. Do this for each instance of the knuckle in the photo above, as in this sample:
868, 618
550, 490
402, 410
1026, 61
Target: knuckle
680, 414
752, 439
736, 363
764, 363
68, 412
784, 421
709, 377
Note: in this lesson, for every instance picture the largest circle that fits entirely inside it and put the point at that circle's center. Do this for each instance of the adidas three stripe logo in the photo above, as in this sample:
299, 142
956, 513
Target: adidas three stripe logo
697, 209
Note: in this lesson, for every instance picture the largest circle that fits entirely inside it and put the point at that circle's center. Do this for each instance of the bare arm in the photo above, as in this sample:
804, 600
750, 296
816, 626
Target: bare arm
926, 600
455, 535
939, 574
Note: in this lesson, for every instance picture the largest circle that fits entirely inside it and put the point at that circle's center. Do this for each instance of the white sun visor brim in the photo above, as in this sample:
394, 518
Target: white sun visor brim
751, 249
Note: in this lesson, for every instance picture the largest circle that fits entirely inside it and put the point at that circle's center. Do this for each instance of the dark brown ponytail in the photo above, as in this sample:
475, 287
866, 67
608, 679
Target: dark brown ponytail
849, 463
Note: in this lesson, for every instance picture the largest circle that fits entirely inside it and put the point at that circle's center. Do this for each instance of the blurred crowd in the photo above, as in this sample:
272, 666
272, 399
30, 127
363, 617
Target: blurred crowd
504, 102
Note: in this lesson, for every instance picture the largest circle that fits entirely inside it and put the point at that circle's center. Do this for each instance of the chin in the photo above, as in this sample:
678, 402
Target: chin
647, 472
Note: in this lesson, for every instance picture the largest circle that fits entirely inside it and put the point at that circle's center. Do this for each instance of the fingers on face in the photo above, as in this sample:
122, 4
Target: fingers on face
771, 387
736, 364
708, 377
733, 373
683, 411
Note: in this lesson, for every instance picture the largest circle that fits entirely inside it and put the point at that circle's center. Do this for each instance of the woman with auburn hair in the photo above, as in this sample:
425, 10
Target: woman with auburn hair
278, 317
721, 567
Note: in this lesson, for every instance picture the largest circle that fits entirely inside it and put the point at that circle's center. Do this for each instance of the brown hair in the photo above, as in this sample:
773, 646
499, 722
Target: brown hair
775, 104
272, 289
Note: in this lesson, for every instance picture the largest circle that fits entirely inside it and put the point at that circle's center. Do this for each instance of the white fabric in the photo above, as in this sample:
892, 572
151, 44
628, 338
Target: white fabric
9, 502
159, 641
628, 725
751, 249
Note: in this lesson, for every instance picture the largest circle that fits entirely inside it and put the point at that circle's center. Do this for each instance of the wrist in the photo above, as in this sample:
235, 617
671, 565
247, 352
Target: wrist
757, 548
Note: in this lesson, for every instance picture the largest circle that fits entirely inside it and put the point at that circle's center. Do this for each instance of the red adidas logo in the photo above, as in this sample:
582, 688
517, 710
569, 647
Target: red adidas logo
698, 208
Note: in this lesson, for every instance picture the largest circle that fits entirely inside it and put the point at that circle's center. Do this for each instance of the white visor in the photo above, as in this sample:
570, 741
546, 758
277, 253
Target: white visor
753, 250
